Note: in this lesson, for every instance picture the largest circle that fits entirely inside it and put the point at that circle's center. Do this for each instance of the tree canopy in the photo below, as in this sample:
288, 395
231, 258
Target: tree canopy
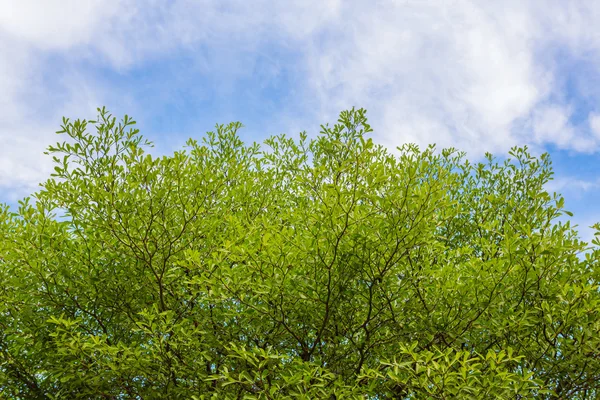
324, 268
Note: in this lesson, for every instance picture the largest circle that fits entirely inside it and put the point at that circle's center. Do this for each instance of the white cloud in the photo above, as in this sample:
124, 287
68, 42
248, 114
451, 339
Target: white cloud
55, 24
571, 185
551, 125
468, 74
445, 72
594, 121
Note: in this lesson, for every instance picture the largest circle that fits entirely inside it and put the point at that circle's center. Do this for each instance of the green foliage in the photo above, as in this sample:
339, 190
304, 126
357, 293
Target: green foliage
326, 268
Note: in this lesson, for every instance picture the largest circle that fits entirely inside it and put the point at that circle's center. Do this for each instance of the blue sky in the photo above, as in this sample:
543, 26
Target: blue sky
476, 75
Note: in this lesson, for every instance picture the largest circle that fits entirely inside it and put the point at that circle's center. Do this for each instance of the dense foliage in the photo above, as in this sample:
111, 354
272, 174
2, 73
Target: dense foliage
316, 269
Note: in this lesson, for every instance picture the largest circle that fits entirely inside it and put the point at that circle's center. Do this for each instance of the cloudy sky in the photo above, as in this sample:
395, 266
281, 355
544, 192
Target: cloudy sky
476, 75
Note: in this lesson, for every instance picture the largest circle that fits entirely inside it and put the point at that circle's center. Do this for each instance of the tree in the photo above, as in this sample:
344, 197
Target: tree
325, 268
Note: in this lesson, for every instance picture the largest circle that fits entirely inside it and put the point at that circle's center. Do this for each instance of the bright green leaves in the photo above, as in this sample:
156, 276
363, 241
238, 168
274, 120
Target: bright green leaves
310, 268
453, 373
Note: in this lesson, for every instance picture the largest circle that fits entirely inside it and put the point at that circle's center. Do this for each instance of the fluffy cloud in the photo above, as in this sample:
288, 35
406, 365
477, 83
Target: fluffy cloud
446, 72
572, 185
56, 24
481, 76
594, 121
